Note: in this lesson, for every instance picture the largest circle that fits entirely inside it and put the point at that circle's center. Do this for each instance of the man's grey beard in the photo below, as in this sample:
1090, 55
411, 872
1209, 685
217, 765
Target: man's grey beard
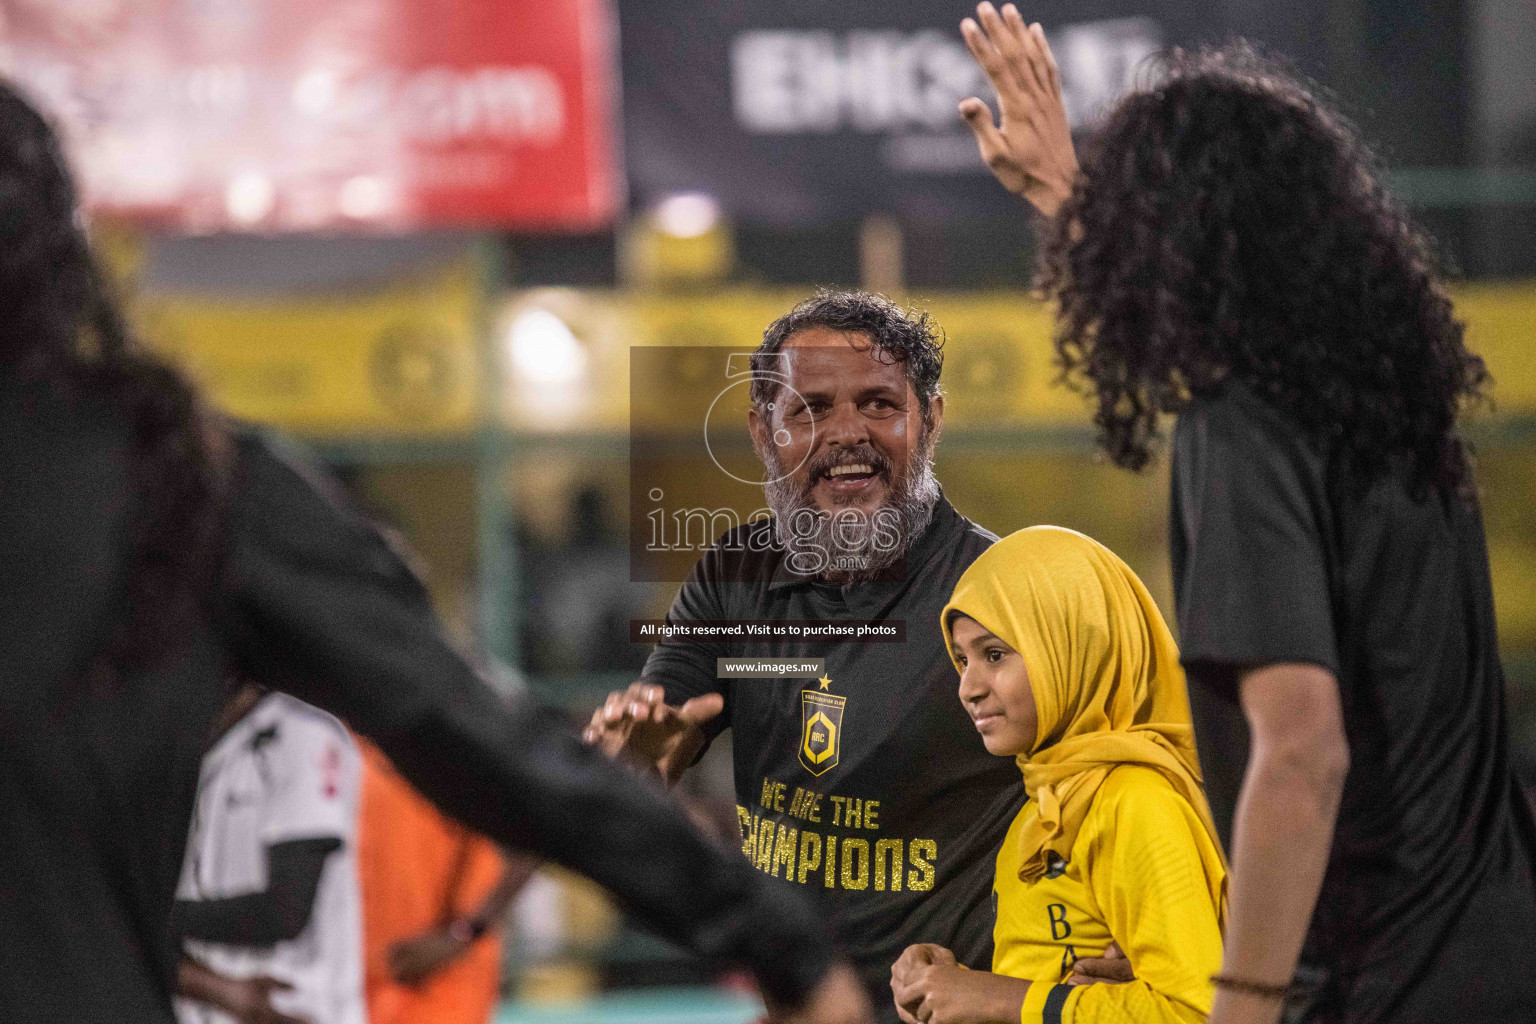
849, 545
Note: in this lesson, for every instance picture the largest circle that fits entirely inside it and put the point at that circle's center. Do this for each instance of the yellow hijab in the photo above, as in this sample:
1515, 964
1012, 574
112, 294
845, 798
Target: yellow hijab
1105, 675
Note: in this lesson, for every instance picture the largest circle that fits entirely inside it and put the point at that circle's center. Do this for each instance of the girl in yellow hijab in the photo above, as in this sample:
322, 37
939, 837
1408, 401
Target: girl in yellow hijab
1066, 664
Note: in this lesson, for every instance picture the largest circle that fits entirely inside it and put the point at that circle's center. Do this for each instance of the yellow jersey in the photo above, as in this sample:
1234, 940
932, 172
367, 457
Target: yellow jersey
1142, 873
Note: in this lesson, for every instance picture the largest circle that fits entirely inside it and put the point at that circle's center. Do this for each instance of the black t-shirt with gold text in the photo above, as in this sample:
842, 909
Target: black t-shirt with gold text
868, 788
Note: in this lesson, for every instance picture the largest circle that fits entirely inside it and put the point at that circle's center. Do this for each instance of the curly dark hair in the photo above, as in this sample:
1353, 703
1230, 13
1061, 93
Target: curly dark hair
906, 336
62, 329
1228, 224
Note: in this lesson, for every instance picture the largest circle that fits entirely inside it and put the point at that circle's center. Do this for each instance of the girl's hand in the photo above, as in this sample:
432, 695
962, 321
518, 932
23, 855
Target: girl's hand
1112, 968
931, 988
1030, 150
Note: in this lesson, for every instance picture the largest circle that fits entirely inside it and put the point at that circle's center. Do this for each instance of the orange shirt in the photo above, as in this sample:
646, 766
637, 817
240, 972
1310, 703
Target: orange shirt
419, 870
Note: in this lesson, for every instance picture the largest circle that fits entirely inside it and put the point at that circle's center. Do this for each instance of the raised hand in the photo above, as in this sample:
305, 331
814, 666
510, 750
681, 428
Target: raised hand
1029, 150
638, 726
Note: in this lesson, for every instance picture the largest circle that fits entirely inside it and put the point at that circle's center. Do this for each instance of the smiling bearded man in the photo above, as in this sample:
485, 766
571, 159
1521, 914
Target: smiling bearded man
866, 788
847, 509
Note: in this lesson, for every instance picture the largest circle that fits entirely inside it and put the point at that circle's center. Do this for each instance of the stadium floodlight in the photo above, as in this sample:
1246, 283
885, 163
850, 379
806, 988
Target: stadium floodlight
365, 197
542, 349
687, 215
250, 196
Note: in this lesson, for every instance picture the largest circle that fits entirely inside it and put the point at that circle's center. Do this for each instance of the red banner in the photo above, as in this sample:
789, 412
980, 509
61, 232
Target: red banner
300, 115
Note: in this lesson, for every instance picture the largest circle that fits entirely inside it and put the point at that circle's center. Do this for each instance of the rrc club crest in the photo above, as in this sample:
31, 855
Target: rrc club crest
821, 733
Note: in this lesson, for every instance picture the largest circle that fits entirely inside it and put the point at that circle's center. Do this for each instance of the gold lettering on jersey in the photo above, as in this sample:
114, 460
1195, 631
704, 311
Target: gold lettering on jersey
810, 854
839, 862
855, 864
888, 850
773, 795
773, 846
923, 853
748, 824
821, 734
853, 814
805, 805
763, 859
784, 852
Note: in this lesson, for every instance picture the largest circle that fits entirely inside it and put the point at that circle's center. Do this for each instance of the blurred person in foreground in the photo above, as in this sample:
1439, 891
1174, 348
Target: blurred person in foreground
865, 788
268, 905
148, 552
1227, 254
434, 896
1067, 666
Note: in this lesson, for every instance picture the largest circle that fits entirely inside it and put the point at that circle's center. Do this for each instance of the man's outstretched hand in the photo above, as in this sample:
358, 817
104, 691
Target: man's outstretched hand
637, 725
1029, 150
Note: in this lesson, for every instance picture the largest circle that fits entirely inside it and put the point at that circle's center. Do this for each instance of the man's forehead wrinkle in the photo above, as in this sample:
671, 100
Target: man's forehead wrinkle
820, 345
828, 337
821, 361
815, 355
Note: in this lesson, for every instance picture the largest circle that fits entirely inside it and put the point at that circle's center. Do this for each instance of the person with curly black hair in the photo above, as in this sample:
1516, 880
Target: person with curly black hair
148, 554
1226, 254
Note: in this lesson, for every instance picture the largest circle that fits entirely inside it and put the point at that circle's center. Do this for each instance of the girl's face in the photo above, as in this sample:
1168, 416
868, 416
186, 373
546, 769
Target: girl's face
994, 687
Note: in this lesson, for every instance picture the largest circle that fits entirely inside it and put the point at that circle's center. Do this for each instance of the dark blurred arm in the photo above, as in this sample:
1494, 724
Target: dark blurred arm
275, 914
318, 604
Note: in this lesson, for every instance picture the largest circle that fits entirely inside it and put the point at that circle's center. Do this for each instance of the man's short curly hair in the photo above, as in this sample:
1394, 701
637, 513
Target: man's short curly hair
906, 336
1228, 224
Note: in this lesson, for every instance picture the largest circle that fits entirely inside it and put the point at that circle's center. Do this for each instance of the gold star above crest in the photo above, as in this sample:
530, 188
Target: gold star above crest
825, 681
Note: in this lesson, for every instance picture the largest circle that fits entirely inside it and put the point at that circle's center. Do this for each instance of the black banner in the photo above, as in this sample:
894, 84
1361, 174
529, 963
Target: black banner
802, 112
